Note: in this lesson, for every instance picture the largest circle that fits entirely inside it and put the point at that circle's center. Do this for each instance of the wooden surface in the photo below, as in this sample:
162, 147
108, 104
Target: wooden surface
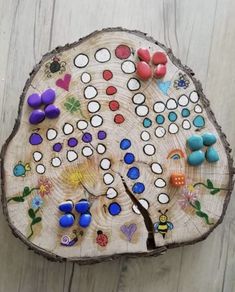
201, 33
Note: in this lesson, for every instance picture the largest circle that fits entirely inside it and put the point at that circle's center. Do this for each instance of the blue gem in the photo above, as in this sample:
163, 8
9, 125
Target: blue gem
129, 158
82, 206
66, 206
133, 173
138, 188
160, 119
172, 116
66, 220
125, 144
147, 123
85, 220
185, 113
199, 121
114, 209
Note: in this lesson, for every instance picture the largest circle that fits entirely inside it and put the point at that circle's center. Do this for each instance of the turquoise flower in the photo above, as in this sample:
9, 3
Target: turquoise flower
37, 202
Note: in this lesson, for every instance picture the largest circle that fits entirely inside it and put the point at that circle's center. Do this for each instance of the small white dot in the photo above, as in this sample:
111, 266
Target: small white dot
81, 61
111, 193
68, 129
194, 97
160, 183
156, 168
186, 124
87, 151
133, 84
171, 104
108, 178
93, 106
37, 156
100, 148
159, 107
163, 198
90, 92
85, 77
105, 163
198, 109
51, 134
96, 121
160, 132
102, 55
128, 67
173, 128
40, 168
142, 110
56, 162
144, 203
138, 98
145, 136
183, 100
82, 125
149, 149
71, 155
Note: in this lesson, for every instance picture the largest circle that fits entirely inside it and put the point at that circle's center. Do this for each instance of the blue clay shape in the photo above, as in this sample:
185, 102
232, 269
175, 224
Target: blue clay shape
212, 155
66, 220
196, 158
66, 206
85, 220
195, 142
82, 206
209, 139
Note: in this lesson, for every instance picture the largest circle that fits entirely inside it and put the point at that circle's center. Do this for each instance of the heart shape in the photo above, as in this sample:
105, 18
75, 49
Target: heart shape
164, 86
128, 230
64, 83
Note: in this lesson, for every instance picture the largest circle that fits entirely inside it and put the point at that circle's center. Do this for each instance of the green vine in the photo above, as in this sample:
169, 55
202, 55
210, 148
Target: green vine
33, 215
26, 192
209, 186
197, 206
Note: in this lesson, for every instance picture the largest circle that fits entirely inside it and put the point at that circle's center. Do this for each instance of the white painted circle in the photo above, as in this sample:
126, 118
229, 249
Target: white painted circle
183, 100
111, 193
144, 203
37, 156
149, 149
171, 104
173, 128
138, 98
198, 109
56, 161
156, 168
160, 183
128, 67
186, 125
142, 110
163, 198
90, 92
40, 168
100, 148
85, 77
68, 129
102, 55
87, 151
133, 84
51, 134
96, 121
145, 136
93, 106
82, 125
194, 97
81, 61
71, 155
105, 163
159, 107
108, 178
160, 132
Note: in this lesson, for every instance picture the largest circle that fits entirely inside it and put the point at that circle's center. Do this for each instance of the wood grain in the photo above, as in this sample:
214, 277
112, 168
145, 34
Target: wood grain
197, 31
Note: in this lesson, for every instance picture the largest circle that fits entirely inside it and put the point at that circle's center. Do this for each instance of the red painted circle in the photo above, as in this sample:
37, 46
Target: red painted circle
119, 119
102, 239
122, 52
114, 105
107, 75
111, 90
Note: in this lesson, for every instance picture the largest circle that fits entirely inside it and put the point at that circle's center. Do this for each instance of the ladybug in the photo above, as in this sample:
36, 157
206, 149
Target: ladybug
101, 239
54, 66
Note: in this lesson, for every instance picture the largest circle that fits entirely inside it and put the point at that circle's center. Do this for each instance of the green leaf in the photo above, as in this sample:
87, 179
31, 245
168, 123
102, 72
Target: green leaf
197, 205
210, 184
18, 199
200, 213
31, 213
72, 105
203, 215
26, 191
36, 220
215, 191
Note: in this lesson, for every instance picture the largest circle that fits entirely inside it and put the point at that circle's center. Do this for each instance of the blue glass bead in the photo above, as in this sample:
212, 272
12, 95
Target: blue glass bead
212, 155
125, 144
195, 142
133, 173
138, 188
209, 139
66, 220
66, 206
114, 209
82, 206
85, 220
196, 158
129, 158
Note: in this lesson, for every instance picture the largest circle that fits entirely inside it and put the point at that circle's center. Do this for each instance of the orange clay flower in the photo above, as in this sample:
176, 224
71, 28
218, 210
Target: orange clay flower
44, 186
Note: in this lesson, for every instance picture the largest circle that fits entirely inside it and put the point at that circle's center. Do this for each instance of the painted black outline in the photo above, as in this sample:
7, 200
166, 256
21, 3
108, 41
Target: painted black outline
80, 67
88, 155
40, 158
141, 205
122, 45
83, 81
85, 90
161, 103
64, 126
161, 202
67, 155
189, 124
139, 106
147, 153
70, 145
158, 186
100, 124
156, 130
169, 128
170, 109
55, 165
163, 119
135, 95
158, 164
127, 85
142, 138
172, 112
102, 167
113, 189
40, 164
100, 50
47, 133
113, 204
191, 94
179, 99
200, 107
130, 62
81, 121
35, 144
95, 102
203, 120
105, 182
101, 145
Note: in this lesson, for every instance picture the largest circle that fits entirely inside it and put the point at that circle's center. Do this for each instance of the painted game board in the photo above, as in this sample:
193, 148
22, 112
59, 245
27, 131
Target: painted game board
115, 151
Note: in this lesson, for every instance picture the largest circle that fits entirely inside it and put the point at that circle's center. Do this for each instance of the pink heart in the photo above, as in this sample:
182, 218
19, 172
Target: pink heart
129, 230
64, 83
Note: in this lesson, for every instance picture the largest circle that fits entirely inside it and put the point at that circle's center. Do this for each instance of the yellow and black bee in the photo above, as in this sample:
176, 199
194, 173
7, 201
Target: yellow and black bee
163, 225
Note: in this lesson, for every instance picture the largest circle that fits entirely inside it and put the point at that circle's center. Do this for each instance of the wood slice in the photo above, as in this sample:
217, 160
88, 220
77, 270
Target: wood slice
116, 160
